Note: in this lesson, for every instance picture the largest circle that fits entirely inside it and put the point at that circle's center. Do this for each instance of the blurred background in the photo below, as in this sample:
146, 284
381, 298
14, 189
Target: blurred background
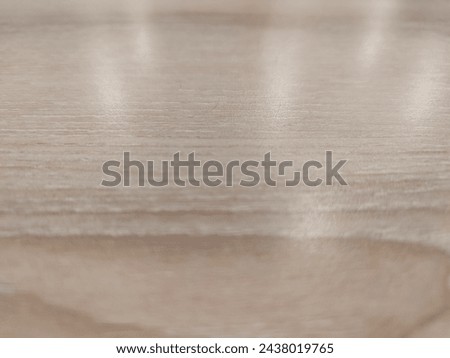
84, 81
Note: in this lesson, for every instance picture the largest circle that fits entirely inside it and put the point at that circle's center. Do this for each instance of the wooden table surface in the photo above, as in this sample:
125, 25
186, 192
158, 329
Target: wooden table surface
83, 81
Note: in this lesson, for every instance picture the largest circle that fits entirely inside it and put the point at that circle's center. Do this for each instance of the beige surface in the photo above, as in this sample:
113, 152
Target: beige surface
81, 82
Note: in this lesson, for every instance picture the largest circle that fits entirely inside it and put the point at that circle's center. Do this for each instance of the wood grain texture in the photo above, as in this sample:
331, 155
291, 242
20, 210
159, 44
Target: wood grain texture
82, 82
